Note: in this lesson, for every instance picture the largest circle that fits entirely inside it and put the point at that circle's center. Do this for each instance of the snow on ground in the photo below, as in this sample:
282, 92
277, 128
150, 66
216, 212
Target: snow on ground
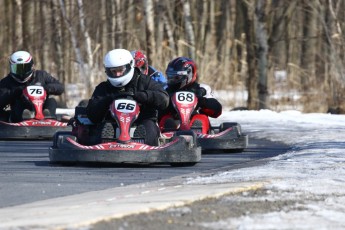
312, 171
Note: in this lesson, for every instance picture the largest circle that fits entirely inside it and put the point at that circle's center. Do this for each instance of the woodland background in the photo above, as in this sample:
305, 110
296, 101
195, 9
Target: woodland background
283, 54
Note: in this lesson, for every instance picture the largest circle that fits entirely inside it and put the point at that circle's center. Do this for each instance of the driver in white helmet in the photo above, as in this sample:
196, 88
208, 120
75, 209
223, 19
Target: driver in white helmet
22, 74
123, 77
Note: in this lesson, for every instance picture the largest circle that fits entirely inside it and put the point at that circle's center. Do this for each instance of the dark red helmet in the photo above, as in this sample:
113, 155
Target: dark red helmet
140, 61
181, 72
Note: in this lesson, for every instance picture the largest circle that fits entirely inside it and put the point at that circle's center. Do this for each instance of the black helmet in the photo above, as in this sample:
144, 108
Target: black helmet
181, 72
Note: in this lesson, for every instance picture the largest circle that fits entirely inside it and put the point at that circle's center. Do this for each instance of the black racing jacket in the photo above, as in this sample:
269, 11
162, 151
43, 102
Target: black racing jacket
208, 106
102, 97
8, 85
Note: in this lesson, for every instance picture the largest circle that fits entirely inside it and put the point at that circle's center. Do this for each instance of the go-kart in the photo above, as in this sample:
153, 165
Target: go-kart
115, 141
227, 137
38, 126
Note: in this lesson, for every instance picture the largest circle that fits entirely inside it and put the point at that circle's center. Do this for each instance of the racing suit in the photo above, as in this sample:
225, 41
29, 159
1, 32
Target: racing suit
148, 93
11, 94
207, 107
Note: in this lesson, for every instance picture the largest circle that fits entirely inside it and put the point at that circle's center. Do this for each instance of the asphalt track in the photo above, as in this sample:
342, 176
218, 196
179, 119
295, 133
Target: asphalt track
27, 176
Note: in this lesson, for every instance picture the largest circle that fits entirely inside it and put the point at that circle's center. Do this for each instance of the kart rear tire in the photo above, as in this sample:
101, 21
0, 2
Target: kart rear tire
107, 131
79, 110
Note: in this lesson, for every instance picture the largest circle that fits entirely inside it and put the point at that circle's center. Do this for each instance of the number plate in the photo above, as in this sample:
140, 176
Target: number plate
35, 90
185, 97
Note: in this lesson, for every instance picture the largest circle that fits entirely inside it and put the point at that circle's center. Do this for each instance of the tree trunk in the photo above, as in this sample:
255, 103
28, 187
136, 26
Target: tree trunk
58, 58
308, 45
262, 49
150, 30
189, 29
79, 57
18, 25
251, 57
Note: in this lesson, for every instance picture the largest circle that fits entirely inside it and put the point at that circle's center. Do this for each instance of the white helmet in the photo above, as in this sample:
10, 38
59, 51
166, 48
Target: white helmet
119, 67
21, 66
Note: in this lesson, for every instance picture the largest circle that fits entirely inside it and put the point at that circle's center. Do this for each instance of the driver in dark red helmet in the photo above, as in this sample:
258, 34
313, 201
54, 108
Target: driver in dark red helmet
141, 62
182, 76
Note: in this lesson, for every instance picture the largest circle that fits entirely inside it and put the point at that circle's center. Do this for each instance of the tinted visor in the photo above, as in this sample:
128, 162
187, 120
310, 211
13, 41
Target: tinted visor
172, 80
21, 69
119, 71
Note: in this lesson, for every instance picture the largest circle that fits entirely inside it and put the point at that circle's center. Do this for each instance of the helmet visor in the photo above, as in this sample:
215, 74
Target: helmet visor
21, 69
119, 71
176, 79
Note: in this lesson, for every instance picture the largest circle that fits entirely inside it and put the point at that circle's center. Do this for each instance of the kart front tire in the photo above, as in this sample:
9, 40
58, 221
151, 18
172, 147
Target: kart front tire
227, 125
62, 139
58, 135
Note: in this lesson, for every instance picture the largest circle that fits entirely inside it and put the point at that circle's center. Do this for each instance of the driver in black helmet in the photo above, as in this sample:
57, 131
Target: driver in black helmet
22, 74
182, 75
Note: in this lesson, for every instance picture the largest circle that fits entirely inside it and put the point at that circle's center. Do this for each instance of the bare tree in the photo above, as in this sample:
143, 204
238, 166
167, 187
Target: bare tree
308, 44
18, 26
248, 14
73, 36
150, 29
262, 49
168, 26
58, 58
189, 29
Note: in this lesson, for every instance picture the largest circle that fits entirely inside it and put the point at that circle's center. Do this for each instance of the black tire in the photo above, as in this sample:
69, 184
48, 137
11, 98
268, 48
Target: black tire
83, 103
107, 131
100, 133
240, 108
233, 150
183, 164
79, 111
61, 139
58, 135
227, 125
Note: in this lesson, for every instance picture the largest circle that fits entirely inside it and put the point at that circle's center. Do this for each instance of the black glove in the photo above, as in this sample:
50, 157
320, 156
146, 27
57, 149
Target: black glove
199, 93
123, 94
202, 101
141, 97
48, 88
18, 91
